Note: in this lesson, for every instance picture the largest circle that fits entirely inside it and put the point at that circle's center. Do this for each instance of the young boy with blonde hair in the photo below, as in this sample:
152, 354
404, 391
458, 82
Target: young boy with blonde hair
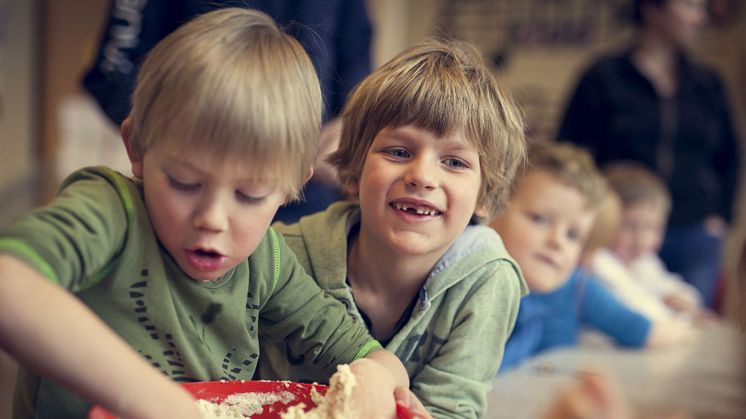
429, 144
630, 264
548, 224
179, 262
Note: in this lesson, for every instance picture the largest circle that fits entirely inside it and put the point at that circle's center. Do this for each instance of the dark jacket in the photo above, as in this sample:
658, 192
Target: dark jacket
335, 33
688, 139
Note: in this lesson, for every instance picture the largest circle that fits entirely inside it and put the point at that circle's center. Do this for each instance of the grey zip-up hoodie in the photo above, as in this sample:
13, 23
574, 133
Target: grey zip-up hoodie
453, 342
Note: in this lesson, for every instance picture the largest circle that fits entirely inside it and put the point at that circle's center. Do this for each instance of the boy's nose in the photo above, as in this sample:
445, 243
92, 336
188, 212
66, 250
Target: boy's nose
556, 238
211, 216
421, 174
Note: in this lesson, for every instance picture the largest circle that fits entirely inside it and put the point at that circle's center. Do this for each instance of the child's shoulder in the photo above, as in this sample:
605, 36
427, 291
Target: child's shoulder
479, 254
481, 238
332, 221
102, 180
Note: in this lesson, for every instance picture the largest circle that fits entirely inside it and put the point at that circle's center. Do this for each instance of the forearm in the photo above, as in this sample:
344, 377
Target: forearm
393, 365
51, 332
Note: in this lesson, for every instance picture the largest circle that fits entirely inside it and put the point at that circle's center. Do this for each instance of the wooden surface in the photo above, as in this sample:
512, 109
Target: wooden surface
706, 379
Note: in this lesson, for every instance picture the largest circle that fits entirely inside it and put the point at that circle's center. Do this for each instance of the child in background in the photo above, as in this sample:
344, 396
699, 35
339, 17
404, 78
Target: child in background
549, 221
429, 144
180, 261
630, 265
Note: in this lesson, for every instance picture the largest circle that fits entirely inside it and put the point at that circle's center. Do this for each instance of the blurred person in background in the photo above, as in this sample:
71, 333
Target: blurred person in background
653, 104
335, 33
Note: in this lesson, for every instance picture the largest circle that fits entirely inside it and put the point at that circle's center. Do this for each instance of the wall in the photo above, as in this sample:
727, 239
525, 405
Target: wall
19, 105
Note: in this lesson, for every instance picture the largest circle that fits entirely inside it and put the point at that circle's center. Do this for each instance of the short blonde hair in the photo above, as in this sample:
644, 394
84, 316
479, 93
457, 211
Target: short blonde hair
605, 226
230, 82
571, 165
442, 87
636, 184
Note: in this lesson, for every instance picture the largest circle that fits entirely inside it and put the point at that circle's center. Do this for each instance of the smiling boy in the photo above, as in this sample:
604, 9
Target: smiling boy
429, 145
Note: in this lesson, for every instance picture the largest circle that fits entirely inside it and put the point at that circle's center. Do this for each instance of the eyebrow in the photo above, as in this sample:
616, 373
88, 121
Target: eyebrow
184, 165
404, 133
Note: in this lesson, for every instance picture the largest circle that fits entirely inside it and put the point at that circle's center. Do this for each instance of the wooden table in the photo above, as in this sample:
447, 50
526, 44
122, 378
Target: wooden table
706, 379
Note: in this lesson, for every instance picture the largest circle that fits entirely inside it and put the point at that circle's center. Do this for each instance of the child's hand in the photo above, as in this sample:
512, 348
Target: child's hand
373, 396
679, 302
377, 376
408, 406
671, 332
594, 396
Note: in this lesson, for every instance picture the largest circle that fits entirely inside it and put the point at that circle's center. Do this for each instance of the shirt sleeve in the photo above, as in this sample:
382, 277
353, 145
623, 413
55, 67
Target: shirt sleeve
132, 28
75, 237
602, 310
727, 158
455, 382
315, 326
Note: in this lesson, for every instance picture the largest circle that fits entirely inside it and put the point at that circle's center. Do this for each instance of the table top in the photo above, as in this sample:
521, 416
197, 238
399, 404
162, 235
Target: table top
706, 379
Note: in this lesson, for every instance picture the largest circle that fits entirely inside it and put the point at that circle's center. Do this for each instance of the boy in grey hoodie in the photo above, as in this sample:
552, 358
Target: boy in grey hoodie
429, 148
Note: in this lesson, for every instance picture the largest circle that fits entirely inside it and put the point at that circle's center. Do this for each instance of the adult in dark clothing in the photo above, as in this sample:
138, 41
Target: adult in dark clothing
335, 33
652, 104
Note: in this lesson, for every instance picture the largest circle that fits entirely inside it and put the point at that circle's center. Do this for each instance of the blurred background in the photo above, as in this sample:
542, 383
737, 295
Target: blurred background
538, 48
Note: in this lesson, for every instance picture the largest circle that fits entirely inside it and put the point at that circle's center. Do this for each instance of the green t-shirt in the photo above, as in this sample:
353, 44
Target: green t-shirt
95, 239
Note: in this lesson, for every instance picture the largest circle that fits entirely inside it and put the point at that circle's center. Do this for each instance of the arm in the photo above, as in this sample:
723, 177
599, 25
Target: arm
35, 327
318, 331
454, 382
726, 163
131, 30
602, 310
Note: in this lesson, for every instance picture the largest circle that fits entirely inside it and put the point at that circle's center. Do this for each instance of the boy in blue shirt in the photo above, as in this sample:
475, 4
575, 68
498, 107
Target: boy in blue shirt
175, 272
546, 225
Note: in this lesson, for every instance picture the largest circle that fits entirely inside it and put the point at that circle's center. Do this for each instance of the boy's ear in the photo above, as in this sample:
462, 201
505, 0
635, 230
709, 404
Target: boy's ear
308, 175
134, 156
481, 212
352, 188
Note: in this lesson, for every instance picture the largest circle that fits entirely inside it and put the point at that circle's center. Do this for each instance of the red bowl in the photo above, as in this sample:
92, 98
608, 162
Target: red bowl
217, 391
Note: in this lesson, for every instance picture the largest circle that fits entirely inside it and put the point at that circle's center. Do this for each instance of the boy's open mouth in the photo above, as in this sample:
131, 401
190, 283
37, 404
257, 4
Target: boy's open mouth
207, 253
415, 209
205, 260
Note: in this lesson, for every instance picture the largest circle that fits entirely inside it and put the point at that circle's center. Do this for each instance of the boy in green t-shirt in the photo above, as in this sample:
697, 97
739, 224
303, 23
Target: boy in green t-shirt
180, 261
429, 145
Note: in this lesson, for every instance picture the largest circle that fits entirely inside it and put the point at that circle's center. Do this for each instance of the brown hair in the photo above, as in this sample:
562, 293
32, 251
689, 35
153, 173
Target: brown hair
441, 86
571, 165
636, 184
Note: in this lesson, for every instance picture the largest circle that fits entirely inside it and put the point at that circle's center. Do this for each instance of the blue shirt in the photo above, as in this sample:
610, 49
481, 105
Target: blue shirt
554, 319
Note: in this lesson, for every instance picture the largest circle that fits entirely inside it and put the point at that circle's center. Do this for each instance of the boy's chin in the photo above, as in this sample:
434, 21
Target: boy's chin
546, 286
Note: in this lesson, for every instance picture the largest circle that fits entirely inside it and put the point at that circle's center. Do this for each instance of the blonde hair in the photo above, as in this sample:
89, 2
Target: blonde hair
636, 184
606, 224
571, 165
442, 87
231, 83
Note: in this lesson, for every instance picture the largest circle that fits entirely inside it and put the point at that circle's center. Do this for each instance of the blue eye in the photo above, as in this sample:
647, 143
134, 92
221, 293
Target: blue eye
456, 163
398, 153
538, 218
182, 186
